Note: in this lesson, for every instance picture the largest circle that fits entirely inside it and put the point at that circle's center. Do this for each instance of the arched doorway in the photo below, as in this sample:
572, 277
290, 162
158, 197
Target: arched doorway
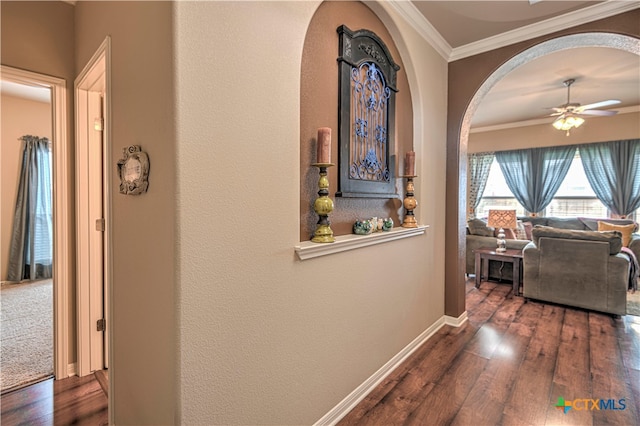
455, 275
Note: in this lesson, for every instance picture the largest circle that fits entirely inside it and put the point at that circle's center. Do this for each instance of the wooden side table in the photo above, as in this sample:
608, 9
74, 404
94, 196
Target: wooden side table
485, 254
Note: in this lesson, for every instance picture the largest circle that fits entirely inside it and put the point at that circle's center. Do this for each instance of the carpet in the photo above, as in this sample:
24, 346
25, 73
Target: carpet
26, 333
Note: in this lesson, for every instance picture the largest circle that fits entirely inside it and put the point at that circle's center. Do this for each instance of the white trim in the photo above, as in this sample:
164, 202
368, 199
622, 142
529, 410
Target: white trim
103, 53
309, 250
418, 22
61, 218
568, 20
359, 393
456, 322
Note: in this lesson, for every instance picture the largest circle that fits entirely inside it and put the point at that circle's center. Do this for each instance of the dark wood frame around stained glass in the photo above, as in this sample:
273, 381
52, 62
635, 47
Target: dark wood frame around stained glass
366, 116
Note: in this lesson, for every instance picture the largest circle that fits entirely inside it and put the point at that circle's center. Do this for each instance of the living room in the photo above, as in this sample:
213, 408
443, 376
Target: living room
512, 125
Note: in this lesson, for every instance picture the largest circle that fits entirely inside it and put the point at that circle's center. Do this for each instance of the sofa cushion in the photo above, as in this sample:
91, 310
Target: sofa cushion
566, 223
592, 224
614, 238
625, 230
479, 227
534, 220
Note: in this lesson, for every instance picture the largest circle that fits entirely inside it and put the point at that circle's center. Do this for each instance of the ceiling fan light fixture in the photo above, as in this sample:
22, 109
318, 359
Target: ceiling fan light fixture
566, 122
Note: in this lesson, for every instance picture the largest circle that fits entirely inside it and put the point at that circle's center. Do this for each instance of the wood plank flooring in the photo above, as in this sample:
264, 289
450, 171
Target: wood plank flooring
72, 401
509, 364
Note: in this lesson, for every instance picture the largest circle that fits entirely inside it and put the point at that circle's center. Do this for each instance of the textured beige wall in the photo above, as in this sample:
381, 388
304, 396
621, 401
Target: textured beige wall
38, 36
19, 117
266, 338
144, 304
595, 129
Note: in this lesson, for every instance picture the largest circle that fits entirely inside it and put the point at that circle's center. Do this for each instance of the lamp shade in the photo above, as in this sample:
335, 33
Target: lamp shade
502, 219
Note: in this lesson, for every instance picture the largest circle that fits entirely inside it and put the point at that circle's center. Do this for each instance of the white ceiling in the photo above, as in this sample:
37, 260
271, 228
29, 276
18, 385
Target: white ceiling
34, 93
529, 91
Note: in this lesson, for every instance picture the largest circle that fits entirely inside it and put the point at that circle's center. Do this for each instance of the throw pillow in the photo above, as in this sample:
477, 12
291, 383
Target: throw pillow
626, 230
479, 227
509, 234
528, 226
520, 231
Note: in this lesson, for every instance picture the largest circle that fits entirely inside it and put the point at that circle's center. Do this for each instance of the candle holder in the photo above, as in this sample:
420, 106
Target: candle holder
410, 203
323, 206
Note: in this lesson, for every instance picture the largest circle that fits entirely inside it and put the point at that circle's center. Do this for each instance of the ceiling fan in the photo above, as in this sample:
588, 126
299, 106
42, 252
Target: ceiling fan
569, 114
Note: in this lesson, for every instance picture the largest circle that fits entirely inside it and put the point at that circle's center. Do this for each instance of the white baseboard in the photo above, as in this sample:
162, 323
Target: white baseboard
456, 322
358, 394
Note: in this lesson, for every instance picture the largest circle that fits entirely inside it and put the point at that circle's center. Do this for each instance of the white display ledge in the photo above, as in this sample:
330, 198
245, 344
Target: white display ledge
309, 250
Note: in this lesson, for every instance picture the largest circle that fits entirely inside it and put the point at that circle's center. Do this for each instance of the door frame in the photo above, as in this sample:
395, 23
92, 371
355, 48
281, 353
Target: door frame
101, 58
62, 225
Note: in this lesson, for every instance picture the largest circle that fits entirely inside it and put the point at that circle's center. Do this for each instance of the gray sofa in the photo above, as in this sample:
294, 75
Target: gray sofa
480, 235
584, 269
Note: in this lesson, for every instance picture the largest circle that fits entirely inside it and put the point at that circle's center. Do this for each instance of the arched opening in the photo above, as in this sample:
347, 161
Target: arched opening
606, 40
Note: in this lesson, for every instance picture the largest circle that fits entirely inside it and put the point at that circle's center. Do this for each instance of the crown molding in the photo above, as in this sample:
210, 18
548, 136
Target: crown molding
407, 10
411, 14
572, 19
544, 120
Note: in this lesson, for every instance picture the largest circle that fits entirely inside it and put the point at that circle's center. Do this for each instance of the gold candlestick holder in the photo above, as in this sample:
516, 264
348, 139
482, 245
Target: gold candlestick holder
323, 206
410, 203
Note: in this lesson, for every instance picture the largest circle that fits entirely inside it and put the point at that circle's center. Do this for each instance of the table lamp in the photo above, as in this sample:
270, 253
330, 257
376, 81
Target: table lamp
500, 219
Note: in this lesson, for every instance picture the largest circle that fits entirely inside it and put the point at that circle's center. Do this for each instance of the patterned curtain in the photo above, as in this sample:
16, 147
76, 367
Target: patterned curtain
31, 250
479, 165
613, 170
534, 175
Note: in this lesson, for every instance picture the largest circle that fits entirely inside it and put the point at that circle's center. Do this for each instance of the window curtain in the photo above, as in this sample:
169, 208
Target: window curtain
534, 175
31, 250
479, 165
613, 170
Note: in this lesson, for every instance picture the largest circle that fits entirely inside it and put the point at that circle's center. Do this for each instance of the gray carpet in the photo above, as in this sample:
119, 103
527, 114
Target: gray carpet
26, 333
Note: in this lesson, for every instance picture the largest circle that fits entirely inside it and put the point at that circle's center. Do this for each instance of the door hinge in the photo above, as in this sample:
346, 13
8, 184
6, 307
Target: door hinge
100, 224
101, 324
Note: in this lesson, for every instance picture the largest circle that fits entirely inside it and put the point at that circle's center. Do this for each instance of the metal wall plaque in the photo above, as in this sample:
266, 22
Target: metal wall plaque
366, 117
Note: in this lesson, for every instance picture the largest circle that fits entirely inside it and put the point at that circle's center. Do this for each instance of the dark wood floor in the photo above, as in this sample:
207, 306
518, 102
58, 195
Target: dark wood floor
509, 364
72, 401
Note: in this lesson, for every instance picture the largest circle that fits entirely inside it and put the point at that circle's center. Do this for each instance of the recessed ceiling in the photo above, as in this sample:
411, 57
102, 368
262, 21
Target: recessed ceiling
529, 91
464, 22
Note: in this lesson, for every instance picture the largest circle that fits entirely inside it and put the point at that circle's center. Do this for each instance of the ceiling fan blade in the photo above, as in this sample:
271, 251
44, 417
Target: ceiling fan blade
597, 112
598, 105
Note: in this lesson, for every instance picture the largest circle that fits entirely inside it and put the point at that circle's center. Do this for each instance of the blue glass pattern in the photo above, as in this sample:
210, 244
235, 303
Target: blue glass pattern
370, 104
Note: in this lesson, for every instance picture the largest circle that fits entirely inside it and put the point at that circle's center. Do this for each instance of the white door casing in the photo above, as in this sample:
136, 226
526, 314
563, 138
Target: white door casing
62, 225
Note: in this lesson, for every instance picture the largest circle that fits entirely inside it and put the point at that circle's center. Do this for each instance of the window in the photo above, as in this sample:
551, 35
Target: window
574, 197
